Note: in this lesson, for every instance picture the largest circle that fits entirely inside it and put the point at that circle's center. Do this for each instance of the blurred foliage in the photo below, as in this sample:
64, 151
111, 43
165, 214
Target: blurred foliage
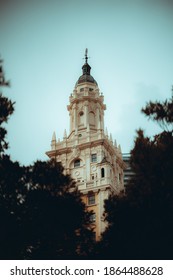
140, 221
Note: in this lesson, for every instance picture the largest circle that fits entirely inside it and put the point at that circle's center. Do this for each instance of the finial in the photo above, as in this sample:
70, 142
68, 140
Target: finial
53, 142
86, 55
65, 134
119, 148
111, 138
86, 67
54, 136
115, 143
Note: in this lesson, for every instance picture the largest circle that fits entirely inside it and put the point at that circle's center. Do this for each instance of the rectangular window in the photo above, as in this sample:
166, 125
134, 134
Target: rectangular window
91, 199
94, 158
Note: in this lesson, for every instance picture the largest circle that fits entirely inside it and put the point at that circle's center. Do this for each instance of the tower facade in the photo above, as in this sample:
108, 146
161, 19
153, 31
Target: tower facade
87, 153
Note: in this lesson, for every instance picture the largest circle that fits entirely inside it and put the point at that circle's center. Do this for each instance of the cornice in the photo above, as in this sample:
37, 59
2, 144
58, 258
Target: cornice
76, 100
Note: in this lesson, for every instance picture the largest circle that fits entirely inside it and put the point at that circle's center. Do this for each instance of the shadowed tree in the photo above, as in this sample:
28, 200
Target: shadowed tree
141, 220
10, 177
6, 109
56, 222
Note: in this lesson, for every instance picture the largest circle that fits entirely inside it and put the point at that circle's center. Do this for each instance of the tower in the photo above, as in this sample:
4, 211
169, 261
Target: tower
88, 154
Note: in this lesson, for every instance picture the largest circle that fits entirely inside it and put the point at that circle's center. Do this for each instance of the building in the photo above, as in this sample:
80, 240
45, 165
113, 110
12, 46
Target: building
88, 153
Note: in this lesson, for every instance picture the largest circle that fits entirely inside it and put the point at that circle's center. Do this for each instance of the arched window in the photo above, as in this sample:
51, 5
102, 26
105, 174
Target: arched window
77, 163
81, 117
91, 118
102, 172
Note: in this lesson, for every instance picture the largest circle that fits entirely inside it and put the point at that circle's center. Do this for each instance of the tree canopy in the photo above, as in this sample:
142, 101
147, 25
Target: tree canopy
141, 219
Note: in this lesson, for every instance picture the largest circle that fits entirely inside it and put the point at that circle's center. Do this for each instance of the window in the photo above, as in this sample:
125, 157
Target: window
92, 177
102, 172
94, 158
77, 163
81, 118
91, 118
93, 218
91, 199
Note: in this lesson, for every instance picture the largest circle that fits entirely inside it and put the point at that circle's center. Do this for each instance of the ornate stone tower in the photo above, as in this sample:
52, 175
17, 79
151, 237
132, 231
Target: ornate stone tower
88, 153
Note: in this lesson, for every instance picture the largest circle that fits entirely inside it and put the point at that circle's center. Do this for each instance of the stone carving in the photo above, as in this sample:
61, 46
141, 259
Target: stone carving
76, 152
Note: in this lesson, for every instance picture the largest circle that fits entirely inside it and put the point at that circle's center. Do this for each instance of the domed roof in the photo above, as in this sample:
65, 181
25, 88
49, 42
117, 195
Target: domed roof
86, 77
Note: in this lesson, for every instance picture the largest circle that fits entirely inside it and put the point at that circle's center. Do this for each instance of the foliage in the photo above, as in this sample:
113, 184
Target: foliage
162, 113
6, 109
56, 223
141, 220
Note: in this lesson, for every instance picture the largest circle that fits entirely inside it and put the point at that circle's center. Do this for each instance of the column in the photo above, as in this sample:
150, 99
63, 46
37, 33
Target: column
75, 119
86, 115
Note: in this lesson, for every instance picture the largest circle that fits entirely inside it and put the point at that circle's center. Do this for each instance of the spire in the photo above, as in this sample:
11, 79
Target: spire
115, 143
111, 138
54, 136
86, 77
119, 148
53, 142
86, 67
86, 55
65, 134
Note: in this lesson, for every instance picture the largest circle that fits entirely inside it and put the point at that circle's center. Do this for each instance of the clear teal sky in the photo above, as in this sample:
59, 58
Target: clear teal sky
43, 42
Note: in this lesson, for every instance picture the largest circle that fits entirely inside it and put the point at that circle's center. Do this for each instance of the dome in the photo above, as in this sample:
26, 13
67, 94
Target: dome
86, 78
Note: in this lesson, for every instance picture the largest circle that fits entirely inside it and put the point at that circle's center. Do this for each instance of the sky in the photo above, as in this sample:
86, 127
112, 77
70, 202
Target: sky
130, 45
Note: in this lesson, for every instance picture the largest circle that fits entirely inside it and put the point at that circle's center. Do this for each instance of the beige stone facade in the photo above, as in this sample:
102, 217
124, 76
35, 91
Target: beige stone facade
88, 153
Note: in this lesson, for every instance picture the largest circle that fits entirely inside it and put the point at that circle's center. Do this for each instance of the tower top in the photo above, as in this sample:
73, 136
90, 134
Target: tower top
86, 68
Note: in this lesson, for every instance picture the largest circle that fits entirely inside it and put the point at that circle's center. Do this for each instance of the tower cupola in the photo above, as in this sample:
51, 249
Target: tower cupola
86, 68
